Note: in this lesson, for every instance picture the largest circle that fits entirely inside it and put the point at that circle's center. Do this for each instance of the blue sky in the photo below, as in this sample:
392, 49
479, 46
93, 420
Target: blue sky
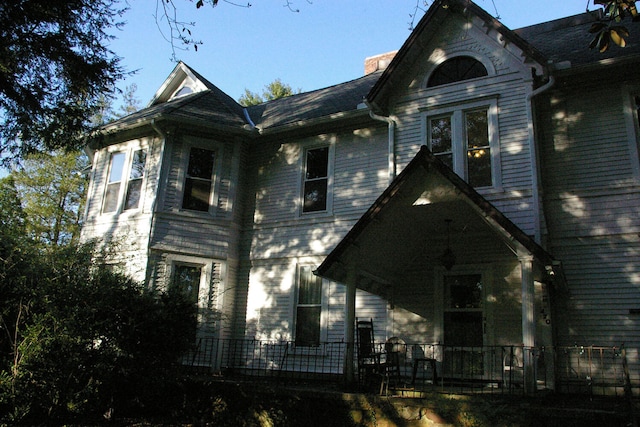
322, 45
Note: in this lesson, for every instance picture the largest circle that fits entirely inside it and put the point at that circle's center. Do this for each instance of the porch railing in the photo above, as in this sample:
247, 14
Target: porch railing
594, 370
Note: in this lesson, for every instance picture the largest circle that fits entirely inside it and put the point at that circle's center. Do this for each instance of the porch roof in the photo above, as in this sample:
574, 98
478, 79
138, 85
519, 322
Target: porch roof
406, 230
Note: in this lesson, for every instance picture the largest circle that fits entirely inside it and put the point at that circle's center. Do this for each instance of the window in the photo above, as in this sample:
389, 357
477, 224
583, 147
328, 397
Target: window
465, 140
308, 308
134, 186
184, 90
464, 324
186, 278
316, 180
117, 184
198, 184
457, 69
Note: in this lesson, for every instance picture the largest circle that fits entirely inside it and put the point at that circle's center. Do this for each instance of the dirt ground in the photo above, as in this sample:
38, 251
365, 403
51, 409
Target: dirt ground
249, 404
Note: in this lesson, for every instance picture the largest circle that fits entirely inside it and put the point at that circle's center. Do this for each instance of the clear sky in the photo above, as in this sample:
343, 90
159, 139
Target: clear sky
325, 43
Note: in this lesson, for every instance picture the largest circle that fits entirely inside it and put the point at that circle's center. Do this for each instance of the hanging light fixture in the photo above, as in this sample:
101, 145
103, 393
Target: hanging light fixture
448, 258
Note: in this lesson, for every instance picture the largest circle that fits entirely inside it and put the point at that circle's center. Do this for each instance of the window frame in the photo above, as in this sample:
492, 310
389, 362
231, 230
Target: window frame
439, 67
485, 271
129, 154
459, 146
215, 172
305, 148
209, 289
322, 332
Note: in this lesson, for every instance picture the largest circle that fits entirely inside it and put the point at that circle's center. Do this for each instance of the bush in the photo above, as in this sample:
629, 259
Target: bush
79, 341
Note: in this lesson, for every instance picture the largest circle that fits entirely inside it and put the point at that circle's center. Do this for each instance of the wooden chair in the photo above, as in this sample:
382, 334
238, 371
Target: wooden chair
395, 352
368, 355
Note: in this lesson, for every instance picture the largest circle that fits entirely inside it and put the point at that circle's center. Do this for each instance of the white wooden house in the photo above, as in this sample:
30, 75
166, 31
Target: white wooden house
479, 188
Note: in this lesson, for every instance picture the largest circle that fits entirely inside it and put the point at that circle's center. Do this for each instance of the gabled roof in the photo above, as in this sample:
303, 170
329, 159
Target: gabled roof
303, 107
407, 221
567, 39
428, 26
208, 108
563, 41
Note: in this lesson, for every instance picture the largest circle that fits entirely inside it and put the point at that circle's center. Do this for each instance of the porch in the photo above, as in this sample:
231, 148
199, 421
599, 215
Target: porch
582, 370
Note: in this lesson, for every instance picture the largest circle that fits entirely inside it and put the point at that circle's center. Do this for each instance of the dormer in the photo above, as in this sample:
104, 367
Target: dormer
182, 81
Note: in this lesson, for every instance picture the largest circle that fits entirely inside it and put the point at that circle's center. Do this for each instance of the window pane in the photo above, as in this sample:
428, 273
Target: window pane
113, 186
132, 199
200, 163
457, 69
137, 164
117, 166
198, 182
310, 291
478, 153
315, 196
463, 291
317, 163
111, 197
440, 135
308, 326
196, 194
187, 279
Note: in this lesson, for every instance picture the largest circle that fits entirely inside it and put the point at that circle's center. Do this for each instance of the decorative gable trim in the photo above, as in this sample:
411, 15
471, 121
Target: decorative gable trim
181, 77
429, 25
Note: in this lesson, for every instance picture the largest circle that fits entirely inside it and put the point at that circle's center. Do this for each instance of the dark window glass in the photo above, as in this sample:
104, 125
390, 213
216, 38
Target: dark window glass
134, 186
455, 70
441, 143
478, 152
308, 308
187, 279
464, 291
199, 180
316, 180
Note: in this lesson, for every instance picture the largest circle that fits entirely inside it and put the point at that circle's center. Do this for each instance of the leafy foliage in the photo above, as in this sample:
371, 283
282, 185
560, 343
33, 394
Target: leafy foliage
610, 29
274, 90
52, 191
54, 67
76, 339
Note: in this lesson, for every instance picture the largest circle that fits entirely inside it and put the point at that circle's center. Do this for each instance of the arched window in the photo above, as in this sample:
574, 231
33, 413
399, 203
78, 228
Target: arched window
455, 70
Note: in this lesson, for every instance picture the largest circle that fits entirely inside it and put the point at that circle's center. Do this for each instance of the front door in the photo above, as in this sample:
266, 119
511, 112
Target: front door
463, 325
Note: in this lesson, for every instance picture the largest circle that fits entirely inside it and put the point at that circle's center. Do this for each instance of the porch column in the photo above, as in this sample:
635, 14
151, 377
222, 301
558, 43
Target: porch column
350, 320
528, 323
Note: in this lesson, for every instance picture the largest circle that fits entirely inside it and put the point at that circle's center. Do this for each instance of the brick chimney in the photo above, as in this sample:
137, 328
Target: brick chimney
378, 62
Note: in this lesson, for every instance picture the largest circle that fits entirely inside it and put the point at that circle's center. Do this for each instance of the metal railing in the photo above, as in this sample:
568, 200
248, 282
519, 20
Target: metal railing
594, 370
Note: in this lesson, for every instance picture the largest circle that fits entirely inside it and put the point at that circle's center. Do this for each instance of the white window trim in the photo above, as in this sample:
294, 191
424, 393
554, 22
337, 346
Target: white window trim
215, 175
330, 179
488, 65
324, 306
632, 126
128, 151
208, 298
457, 110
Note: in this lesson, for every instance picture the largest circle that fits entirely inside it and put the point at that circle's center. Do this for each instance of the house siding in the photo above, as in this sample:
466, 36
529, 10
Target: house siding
509, 87
282, 238
592, 204
123, 234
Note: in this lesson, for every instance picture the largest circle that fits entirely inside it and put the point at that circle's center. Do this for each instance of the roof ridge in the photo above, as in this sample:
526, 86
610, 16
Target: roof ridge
330, 87
567, 21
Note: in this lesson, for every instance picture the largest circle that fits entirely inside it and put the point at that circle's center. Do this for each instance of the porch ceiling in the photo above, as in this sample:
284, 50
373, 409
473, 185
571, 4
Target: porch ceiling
406, 231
